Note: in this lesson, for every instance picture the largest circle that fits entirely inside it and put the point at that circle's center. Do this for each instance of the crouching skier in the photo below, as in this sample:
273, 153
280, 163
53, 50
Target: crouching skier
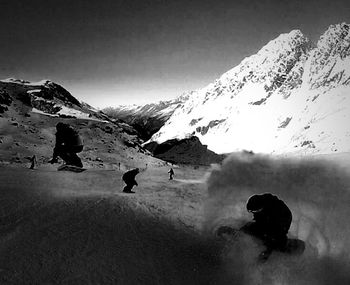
68, 144
271, 222
129, 179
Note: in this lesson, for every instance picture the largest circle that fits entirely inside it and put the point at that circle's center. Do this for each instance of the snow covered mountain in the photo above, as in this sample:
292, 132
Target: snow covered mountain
146, 119
290, 97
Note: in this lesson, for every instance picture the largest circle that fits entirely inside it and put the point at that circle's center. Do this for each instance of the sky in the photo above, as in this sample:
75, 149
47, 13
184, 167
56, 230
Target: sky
115, 52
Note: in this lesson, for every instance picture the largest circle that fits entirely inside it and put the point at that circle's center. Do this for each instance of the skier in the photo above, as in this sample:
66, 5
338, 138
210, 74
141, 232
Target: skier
171, 174
33, 161
272, 220
129, 179
68, 144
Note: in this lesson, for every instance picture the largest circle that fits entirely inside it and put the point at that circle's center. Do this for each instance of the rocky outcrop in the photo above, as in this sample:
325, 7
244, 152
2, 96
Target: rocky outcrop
184, 151
5, 100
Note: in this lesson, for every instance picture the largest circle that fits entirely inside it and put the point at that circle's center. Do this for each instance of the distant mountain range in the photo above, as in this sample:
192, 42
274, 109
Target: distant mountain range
291, 97
146, 119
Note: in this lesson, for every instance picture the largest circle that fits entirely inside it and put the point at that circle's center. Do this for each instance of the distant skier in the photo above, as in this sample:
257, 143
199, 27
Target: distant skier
171, 174
33, 162
68, 144
129, 179
272, 220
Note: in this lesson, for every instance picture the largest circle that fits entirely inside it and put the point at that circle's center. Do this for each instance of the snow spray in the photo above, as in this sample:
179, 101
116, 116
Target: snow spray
318, 194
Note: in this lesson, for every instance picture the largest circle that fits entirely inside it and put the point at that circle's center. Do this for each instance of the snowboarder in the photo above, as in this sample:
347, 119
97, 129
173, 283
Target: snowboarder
68, 144
171, 174
272, 220
129, 179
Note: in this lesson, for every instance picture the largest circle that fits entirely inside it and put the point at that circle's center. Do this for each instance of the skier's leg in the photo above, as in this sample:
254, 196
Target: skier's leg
127, 188
75, 160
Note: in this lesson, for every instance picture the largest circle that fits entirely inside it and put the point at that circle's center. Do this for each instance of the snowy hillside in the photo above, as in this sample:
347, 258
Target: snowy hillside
29, 113
49, 98
147, 119
290, 97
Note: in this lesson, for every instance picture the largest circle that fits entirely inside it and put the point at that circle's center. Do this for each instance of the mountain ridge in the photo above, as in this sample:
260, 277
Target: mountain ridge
274, 101
149, 118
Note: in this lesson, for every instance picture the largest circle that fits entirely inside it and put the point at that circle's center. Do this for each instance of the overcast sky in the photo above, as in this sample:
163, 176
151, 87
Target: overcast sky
112, 52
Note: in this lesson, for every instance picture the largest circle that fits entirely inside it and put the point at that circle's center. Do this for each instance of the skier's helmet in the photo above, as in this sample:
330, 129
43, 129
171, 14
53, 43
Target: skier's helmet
255, 204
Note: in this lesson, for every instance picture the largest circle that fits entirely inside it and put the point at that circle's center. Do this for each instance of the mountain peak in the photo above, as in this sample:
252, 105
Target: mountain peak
336, 40
286, 98
285, 43
338, 30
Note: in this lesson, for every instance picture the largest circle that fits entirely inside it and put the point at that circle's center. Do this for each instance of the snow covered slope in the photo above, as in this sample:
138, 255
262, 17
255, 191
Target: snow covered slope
290, 97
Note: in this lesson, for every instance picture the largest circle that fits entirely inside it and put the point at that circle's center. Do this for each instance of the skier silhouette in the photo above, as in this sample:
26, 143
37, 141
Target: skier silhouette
33, 162
272, 220
129, 179
171, 174
68, 144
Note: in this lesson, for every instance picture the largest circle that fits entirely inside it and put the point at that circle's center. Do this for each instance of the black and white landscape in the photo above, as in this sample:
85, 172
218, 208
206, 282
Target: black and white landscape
275, 121
290, 97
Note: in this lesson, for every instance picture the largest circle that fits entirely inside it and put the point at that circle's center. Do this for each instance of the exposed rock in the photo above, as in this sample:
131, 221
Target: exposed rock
67, 116
186, 151
5, 98
44, 105
3, 109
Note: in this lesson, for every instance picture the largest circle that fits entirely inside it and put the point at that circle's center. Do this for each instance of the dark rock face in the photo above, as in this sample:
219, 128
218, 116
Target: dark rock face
5, 100
185, 151
62, 94
43, 96
146, 127
145, 124
203, 130
44, 105
3, 109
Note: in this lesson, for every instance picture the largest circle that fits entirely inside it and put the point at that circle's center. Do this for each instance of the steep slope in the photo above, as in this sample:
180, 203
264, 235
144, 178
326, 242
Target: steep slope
146, 119
289, 97
30, 111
